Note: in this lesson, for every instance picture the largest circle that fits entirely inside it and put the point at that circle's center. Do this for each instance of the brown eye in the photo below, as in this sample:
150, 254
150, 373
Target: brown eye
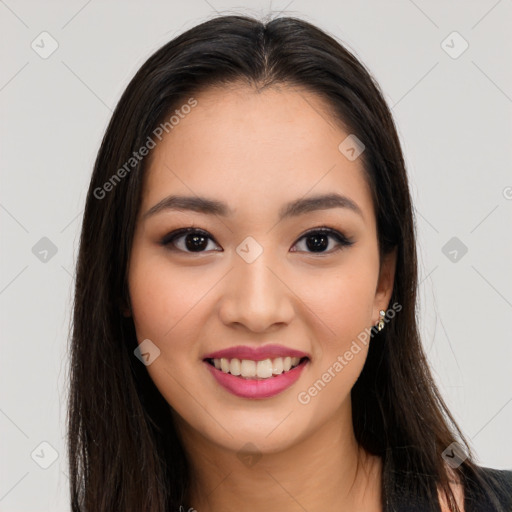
187, 240
318, 241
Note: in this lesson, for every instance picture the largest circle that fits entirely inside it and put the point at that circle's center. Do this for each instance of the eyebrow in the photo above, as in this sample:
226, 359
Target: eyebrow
213, 207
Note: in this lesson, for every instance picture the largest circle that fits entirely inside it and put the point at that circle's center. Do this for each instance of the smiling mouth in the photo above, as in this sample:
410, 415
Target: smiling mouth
259, 370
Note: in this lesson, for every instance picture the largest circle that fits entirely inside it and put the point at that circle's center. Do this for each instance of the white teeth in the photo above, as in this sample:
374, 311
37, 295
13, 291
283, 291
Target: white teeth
264, 369
277, 366
261, 369
235, 367
224, 365
247, 368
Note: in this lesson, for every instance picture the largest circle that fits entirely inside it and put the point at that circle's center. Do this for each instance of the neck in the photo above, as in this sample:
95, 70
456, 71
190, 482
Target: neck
326, 471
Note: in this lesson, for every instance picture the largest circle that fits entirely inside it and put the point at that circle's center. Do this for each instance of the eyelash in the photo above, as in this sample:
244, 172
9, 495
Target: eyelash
342, 240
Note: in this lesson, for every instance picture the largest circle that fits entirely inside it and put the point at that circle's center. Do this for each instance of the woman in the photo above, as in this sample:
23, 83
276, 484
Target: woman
244, 321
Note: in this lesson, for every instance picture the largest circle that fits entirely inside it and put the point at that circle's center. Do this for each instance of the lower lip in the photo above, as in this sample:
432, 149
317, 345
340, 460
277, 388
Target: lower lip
257, 388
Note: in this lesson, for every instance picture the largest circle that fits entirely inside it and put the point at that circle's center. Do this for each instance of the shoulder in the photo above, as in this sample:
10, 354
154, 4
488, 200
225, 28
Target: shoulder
484, 489
457, 487
488, 487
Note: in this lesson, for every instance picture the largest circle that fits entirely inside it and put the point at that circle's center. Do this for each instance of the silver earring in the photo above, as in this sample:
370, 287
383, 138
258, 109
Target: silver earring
380, 323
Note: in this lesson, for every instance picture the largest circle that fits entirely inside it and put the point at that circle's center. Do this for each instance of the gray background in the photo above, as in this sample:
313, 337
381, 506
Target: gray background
453, 112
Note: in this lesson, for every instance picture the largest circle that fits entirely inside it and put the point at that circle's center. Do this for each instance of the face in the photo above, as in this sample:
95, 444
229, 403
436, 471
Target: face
269, 283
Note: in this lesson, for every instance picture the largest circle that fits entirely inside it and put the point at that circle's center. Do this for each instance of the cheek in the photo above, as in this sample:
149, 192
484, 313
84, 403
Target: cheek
162, 297
343, 298
163, 300
343, 301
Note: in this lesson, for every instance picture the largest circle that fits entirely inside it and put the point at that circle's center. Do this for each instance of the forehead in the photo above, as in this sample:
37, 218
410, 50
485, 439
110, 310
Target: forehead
257, 149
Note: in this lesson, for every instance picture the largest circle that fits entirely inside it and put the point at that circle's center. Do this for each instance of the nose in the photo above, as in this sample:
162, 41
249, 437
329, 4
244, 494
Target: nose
256, 296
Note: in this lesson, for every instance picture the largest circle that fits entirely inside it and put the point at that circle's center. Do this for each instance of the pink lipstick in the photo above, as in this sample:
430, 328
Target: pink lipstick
256, 372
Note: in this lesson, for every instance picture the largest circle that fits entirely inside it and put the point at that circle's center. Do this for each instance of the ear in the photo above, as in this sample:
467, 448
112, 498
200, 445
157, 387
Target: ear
385, 283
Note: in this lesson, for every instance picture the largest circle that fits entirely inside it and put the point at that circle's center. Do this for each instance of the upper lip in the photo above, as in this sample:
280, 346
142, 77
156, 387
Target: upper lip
256, 353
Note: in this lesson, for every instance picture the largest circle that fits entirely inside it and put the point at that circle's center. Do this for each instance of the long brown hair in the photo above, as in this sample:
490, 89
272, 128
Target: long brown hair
124, 451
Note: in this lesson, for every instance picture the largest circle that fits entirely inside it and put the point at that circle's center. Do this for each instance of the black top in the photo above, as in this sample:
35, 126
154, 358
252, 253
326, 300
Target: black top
490, 490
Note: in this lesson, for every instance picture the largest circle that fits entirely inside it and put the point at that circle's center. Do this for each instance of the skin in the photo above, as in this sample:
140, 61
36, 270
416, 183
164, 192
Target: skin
257, 151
